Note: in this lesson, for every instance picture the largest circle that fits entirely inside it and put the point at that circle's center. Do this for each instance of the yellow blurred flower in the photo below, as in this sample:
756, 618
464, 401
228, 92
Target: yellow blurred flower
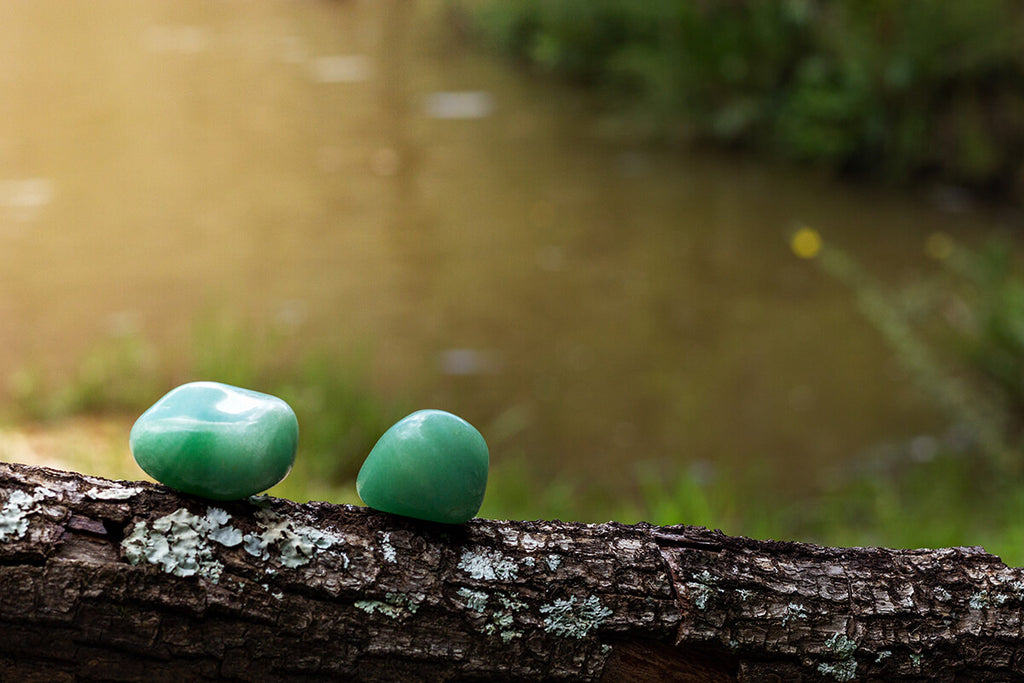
806, 243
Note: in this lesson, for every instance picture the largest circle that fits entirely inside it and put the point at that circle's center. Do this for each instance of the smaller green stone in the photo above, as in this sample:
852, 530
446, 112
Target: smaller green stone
430, 465
216, 441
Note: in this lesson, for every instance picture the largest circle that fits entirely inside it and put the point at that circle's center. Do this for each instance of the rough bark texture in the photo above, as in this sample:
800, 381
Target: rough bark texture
103, 580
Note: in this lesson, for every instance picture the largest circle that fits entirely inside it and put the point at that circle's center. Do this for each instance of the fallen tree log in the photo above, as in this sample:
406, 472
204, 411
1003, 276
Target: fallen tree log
106, 580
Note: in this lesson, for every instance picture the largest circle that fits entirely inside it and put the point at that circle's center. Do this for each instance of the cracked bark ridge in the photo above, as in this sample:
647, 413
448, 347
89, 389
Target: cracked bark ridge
104, 580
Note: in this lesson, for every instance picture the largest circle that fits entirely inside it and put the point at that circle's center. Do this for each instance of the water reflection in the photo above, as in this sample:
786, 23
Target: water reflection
335, 170
23, 199
473, 104
341, 69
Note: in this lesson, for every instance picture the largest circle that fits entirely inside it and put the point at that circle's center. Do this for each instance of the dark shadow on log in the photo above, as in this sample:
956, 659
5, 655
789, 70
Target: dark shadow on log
103, 580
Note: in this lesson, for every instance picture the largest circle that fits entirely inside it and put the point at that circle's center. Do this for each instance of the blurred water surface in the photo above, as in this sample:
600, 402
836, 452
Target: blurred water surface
350, 174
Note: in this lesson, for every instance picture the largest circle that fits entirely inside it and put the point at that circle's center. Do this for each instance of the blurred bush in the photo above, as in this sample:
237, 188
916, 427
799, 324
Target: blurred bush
904, 90
960, 334
341, 414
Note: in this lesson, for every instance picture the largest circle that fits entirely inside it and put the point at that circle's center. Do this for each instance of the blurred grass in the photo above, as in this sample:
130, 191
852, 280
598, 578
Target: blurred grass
902, 498
340, 413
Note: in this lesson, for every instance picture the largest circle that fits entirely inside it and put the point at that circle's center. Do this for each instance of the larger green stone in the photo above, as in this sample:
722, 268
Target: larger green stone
430, 465
216, 441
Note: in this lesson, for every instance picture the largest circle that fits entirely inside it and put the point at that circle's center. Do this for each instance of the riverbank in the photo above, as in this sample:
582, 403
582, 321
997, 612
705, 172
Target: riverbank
907, 93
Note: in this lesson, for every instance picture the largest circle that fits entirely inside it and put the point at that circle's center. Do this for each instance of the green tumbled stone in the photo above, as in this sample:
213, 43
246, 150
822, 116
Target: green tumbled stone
430, 465
216, 441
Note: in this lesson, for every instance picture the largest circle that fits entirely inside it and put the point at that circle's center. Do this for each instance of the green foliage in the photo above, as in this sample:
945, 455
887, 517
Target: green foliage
97, 383
341, 414
896, 88
942, 502
989, 329
960, 334
516, 491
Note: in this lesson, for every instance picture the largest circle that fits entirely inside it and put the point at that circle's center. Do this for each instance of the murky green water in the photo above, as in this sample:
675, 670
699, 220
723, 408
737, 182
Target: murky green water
347, 172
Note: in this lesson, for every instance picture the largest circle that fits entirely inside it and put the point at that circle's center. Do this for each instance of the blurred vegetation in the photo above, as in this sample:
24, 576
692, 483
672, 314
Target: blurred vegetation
341, 415
900, 90
960, 332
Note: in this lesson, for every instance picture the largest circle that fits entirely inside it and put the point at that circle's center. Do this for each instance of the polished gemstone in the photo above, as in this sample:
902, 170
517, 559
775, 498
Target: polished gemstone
430, 465
216, 441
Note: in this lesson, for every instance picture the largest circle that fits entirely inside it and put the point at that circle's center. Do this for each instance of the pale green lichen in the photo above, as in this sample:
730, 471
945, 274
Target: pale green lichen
510, 601
178, 543
376, 606
501, 626
916, 660
296, 543
476, 601
841, 645
501, 621
701, 589
701, 594
841, 671
553, 561
393, 606
19, 505
572, 619
882, 656
980, 600
845, 666
113, 493
504, 619
488, 565
387, 548
984, 599
794, 611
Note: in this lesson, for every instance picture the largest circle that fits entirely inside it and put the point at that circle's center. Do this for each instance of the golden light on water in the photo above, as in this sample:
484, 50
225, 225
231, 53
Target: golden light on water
805, 243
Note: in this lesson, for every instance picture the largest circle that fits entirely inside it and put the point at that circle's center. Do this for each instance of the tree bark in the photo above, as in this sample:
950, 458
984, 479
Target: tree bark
105, 580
